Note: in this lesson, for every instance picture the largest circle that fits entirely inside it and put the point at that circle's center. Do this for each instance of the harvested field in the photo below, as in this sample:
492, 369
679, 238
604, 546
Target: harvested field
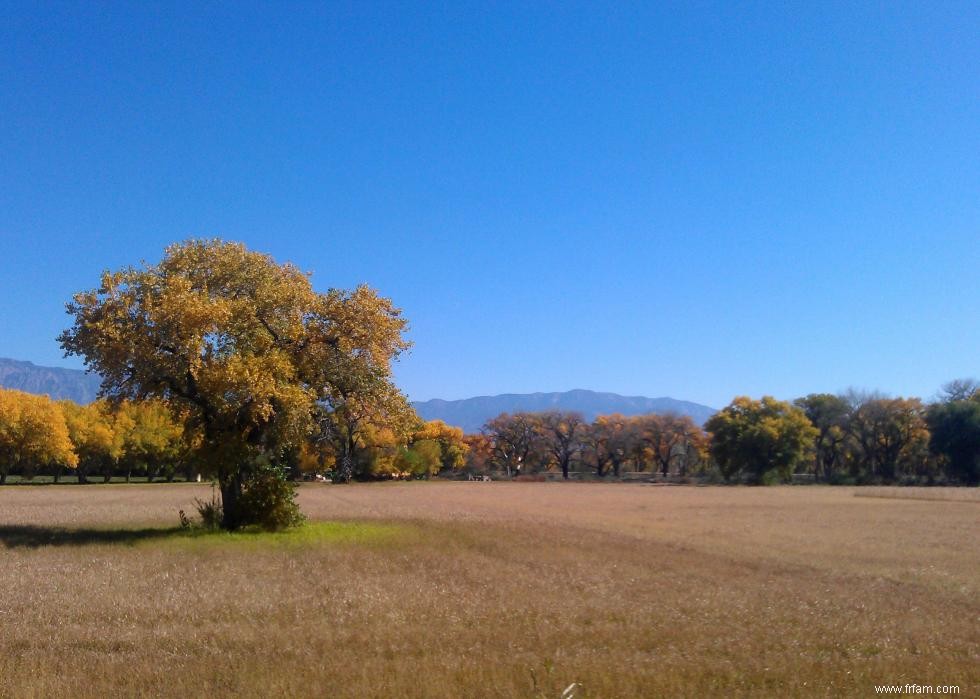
920, 493
490, 589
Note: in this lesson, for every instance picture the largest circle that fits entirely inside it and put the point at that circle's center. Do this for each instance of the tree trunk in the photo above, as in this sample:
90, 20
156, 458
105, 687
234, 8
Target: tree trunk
231, 491
3, 477
346, 468
348, 458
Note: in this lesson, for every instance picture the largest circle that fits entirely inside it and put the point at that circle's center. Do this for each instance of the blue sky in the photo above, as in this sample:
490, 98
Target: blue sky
687, 199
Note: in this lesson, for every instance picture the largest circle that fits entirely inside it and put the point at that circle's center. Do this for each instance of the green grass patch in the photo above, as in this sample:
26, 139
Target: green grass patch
306, 535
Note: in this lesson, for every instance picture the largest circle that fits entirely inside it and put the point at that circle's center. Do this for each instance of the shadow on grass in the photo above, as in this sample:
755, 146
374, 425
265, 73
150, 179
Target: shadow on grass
30, 536
309, 534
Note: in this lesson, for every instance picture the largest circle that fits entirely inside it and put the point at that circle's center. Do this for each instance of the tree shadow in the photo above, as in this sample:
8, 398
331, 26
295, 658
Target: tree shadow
31, 536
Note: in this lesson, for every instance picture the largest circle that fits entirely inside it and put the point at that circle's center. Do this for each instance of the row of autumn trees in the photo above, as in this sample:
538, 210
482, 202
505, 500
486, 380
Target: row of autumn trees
126, 438
41, 436
529, 443
838, 439
851, 438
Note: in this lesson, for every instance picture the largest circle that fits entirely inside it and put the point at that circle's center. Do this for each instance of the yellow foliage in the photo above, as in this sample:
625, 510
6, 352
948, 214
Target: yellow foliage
452, 447
245, 347
33, 433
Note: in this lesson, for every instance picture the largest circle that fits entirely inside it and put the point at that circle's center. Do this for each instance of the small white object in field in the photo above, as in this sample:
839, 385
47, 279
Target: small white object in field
570, 690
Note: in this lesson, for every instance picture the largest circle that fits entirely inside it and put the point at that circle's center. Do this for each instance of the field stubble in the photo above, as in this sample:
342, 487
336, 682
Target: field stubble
473, 589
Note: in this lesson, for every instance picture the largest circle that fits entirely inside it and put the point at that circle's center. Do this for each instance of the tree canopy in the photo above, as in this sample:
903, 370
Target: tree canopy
955, 438
33, 433
765, 438
240, 346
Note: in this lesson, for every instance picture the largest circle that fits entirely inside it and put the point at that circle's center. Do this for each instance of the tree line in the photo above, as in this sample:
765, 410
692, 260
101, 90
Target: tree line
125, 439
851, 438
528, 443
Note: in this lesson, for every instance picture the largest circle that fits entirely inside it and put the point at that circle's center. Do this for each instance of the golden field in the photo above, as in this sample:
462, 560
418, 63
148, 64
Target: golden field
492, 590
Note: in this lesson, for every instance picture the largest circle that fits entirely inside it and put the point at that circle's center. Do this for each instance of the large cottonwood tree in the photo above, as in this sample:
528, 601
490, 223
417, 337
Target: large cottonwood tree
560, 436
237, 343
512, 441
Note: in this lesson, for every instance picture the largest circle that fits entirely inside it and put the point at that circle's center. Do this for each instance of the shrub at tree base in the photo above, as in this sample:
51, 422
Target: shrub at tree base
268, 501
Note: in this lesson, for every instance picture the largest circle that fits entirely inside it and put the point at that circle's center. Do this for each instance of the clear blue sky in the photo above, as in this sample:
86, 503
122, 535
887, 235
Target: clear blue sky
686, 199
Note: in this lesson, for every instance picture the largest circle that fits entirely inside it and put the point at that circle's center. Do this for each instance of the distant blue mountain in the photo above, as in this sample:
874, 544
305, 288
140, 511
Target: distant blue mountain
472, 413
56, 382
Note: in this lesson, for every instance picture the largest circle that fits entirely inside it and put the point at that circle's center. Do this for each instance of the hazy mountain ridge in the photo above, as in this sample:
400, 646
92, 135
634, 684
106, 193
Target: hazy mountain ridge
468, 413
57, 382
472, 413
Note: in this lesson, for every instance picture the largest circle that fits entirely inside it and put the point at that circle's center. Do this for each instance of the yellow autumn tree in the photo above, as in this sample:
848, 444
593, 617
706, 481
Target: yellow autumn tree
242, 346
152, 438
33, 434
93, 433
452, 448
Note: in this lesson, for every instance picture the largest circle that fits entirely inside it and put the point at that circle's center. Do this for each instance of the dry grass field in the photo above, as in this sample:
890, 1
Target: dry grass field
491, 590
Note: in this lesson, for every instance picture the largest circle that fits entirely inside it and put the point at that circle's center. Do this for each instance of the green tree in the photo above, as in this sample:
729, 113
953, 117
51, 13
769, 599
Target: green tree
421, 459
762, 439
830, 414
955, 438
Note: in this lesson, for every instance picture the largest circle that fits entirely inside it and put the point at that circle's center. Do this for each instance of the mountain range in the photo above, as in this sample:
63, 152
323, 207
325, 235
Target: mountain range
470, 413
56, 382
